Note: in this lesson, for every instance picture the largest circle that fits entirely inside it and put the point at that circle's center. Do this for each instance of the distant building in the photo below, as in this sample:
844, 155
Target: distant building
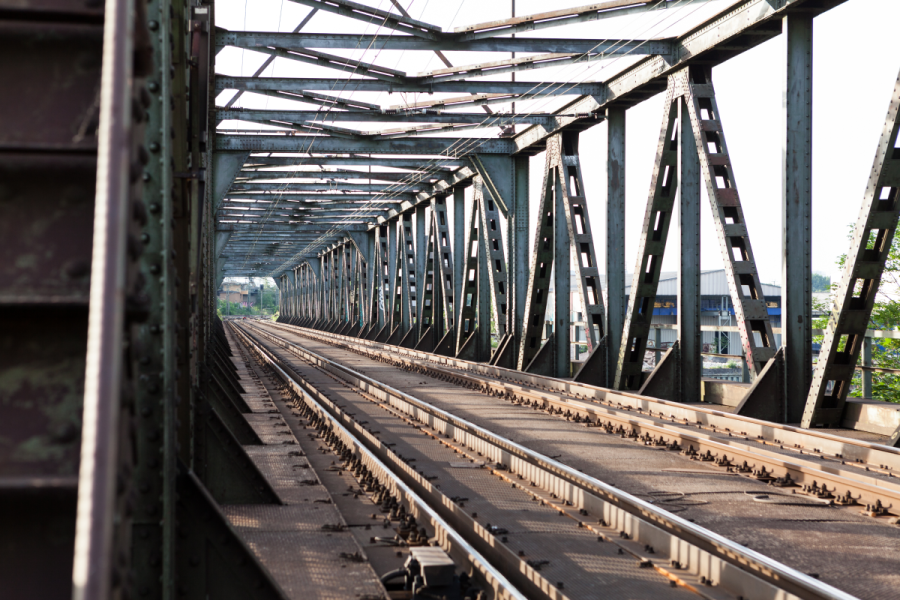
716, 309
245, 294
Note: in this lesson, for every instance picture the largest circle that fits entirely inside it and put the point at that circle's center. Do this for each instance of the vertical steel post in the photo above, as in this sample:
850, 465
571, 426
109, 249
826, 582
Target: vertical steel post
651, 250
471, 286
371, 279
615, 235
459, 252
483, 341
290, 284
688, 305
562, 259
537, 298
397, 297
324, 291
867, 362
438, 305
581, 237
657, 344
443, 275
383, 277
517, 225
796, 291
421, 259
407, 257
153, 525
390, 259
870, 249
494, 251
334, 263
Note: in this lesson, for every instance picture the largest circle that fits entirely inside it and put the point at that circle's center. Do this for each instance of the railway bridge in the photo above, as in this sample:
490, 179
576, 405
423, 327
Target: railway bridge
464, 394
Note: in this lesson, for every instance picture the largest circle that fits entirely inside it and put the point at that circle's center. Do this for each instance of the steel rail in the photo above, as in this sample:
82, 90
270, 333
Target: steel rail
450, 539
728, 563
850, 485
841, 448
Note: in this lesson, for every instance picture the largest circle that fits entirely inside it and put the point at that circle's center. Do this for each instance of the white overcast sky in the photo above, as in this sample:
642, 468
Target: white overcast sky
855, 66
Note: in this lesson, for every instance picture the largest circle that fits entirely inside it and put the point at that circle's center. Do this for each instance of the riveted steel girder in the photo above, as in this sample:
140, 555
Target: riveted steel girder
300, 41
301, 116
444, 257
870, 247
449, 147
468, 309
494, 252
651, 248
296, 84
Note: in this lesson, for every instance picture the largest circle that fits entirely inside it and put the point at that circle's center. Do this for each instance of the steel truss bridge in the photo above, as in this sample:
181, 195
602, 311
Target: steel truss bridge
149, 450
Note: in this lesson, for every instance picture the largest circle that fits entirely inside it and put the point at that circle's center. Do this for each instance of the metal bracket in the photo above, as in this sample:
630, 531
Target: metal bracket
664, 381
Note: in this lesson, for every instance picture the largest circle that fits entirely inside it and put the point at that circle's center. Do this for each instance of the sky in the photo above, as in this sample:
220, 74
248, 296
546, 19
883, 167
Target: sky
855, 67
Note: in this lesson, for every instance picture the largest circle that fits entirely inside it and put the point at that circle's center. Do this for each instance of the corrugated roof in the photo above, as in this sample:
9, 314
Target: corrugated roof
712, 283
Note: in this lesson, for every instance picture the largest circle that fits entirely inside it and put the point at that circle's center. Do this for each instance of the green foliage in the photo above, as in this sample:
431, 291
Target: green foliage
264, 303
821, 282
885, 316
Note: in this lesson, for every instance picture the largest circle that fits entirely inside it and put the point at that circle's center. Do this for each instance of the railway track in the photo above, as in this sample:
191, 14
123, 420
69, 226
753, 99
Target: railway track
847, 471
668, 555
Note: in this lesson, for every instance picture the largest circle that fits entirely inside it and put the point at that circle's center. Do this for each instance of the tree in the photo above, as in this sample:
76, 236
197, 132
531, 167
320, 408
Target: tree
821, 282
265, 301
885, 316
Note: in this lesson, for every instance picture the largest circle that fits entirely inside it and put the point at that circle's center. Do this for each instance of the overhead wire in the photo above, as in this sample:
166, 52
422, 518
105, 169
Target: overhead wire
313, 139
369, 205
469, 144
436, 164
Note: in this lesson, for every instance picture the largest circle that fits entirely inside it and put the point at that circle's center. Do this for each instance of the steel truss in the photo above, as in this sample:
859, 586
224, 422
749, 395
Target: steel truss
692, 90
562, 202
397, 265
869, 249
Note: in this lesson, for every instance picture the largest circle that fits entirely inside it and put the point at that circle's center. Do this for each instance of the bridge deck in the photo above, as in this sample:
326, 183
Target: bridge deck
801, 532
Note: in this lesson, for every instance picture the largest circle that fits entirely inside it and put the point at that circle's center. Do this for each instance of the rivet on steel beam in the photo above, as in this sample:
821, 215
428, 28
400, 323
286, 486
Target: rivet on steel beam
152, 25
154, 147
